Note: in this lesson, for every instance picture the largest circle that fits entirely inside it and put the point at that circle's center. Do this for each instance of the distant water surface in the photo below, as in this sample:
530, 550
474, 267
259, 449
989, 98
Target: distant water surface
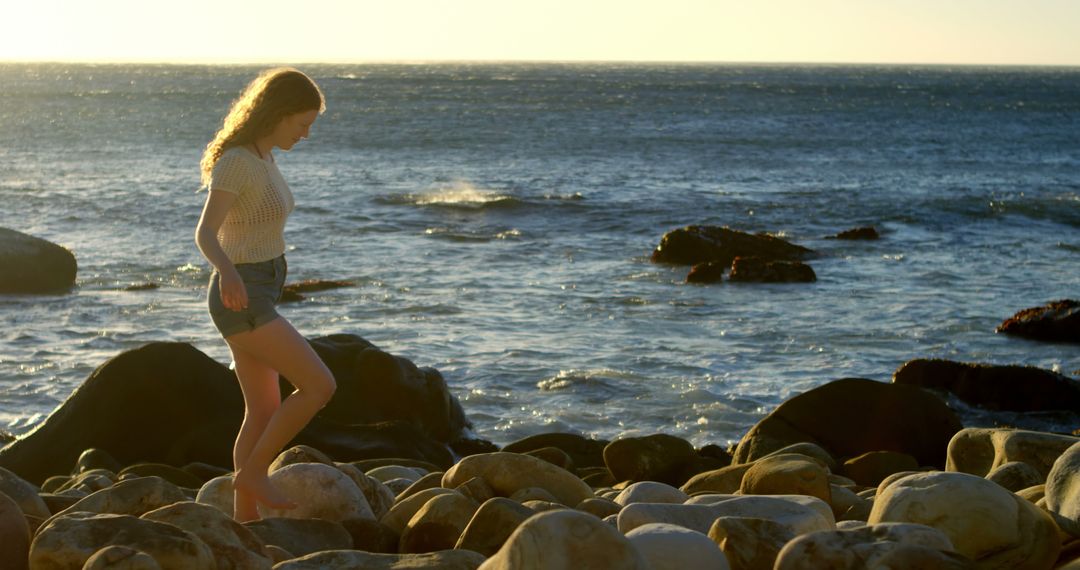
498, 221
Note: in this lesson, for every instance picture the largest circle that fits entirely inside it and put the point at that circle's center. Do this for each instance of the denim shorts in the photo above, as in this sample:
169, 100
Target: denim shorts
264, 281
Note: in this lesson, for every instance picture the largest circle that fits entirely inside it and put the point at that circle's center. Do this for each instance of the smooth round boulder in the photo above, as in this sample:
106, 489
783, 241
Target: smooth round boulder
659, 457
979, 451
438, 524
723, 481
799, 514
749, 542
429, 481
320, 491
174, 475
506, 473
492, 524
218, 493
233, 545
984, 521
34, 265
787, 474
870, 468
883, 546
1063, 485
386, 473
602, 508
403, 511
23, 494
68, 541
15, 533
650, 492
118, 557
379, 497
134, 497
301, 537
443, 560
584, 452
671, 547
561, 539
1016, 476
851, 416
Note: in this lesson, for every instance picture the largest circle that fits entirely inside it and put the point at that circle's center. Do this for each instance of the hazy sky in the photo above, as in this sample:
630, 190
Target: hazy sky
1042, 32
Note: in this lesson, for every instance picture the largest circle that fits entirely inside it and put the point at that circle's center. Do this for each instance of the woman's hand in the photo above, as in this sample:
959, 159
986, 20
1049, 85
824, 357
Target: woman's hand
233, 292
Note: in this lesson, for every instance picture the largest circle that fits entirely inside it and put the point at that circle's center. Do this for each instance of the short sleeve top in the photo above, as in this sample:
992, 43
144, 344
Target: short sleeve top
254, 227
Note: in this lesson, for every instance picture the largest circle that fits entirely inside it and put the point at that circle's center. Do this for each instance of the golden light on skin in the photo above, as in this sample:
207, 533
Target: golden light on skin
856, 31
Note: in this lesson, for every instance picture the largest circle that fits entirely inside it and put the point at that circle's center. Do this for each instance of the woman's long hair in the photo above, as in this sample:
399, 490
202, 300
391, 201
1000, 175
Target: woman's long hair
272, 96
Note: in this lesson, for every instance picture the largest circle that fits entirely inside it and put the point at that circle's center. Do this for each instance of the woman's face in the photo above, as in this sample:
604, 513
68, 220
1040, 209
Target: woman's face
293, 128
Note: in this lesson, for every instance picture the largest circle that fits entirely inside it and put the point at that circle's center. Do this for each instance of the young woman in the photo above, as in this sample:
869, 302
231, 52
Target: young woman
240, 233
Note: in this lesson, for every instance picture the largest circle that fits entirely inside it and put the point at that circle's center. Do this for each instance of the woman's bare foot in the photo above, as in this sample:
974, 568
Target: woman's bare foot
262, 490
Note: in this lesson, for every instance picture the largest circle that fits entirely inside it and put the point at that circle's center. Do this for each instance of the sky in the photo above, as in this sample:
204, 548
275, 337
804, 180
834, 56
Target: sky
997, 32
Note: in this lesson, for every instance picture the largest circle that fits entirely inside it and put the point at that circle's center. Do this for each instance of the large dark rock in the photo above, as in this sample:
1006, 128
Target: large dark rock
1015, 388
1056, 321
698, 244
660, 457
866, 232
584, 452
170, 403
33, 265
760, 270
852, 416
707, 272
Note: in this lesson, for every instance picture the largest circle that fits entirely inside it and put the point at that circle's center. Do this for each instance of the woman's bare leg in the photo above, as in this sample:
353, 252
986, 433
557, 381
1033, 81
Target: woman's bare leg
279, 346
262, 397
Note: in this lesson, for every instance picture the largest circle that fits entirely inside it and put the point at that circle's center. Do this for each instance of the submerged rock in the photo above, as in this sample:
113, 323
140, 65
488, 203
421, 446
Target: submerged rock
760, 270
1056, 321
294, 292
698, 244
1016, 388
706, 272
34, 265
865, 232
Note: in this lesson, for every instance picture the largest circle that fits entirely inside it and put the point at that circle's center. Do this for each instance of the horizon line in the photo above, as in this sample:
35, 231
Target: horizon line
254, 62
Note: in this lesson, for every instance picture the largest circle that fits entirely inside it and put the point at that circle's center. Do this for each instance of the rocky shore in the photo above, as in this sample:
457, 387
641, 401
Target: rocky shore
132, 472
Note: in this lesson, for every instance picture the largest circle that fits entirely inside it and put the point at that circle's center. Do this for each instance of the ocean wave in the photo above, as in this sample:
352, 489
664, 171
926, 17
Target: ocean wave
459, 196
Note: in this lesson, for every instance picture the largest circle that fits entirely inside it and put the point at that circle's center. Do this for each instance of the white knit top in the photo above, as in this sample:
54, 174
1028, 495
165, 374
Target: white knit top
254, 227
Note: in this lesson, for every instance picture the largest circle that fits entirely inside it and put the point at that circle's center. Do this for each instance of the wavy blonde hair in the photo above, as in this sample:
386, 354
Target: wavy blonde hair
269, 98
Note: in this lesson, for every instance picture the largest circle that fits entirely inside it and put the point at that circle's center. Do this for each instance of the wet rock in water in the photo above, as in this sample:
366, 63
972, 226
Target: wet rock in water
698, 244
852, 416
132, 497
118, 557
294, 292
888, 545
659, 457
1063, 485
706, 272
870, 468
866, 233
984, 522
320, 491
979, 451
68, 541
584, 452
438, 524
301, 537
142, 287
233, 545
492, 524
444, 560
994, 387
15, 533
749, 543
671, 547
34, 265
507, 473
760, 270
566, 539
1057, 321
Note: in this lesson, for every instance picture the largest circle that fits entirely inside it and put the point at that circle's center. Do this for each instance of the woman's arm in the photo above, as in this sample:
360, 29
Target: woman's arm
233, 292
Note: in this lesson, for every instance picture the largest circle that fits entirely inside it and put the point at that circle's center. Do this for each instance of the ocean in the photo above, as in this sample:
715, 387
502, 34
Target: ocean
498, 219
